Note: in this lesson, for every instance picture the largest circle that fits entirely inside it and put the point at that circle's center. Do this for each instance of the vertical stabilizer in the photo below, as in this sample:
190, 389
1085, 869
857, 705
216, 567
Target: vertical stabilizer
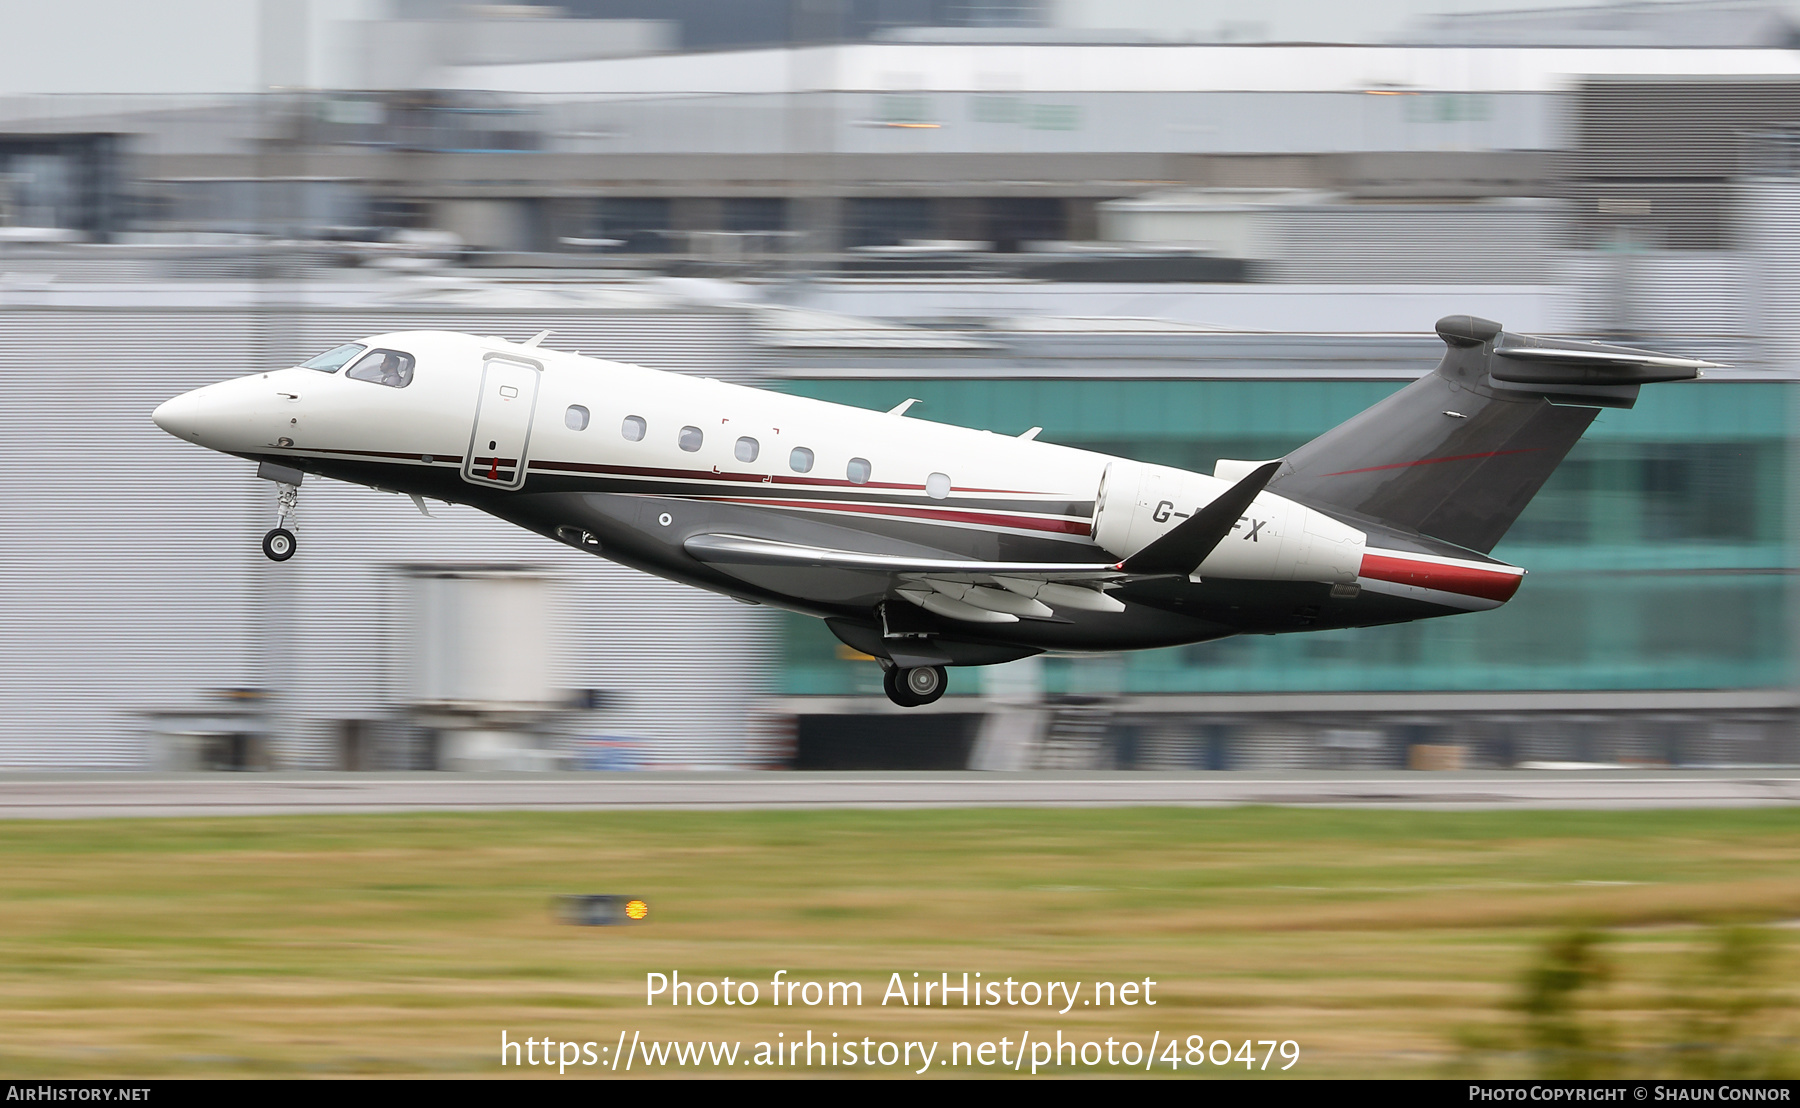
1458, 453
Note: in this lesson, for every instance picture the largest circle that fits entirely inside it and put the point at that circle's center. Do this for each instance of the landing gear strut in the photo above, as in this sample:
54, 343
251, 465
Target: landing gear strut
278, 544
910, 688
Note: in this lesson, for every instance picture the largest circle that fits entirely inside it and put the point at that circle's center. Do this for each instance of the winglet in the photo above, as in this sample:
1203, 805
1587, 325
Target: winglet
1182, 549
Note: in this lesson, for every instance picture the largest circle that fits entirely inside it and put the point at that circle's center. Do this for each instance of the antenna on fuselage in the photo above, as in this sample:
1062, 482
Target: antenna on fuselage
900, 408
537, 338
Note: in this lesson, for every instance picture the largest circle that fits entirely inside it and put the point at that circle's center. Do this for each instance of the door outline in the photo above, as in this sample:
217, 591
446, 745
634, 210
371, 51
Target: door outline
470, 469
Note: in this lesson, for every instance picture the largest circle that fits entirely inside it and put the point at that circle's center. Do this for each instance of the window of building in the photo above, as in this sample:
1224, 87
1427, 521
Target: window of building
888, 220
937, 486
1700, 492
576, 418
633, 428
384, 367
640, 224
800, 460
333, 360
857, 470
753, 213
1013, 221
747, 449
691, 438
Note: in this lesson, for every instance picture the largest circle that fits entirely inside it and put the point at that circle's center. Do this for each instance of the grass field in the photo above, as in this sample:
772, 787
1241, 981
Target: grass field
1383, 943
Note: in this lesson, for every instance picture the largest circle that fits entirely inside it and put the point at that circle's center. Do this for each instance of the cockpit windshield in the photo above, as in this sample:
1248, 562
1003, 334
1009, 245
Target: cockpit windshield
333, 360
384, 367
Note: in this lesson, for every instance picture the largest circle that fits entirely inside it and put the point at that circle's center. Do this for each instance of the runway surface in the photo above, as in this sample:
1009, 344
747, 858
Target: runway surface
225, 794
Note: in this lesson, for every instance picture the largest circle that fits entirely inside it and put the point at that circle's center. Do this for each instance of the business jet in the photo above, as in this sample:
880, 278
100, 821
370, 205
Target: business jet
927, 545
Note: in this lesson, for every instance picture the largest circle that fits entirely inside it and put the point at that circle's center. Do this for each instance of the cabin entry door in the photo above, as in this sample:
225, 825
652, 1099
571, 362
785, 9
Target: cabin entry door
500, 442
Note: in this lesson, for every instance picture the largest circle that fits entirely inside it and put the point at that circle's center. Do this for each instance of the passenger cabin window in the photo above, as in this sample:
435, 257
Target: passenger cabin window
633, 428
690, 439
937, 486
747, 449
857, 470
384, 367
333, 360
800, 460
576, 418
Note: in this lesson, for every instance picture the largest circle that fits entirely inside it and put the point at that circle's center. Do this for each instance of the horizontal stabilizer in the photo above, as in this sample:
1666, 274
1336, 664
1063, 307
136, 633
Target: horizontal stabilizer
1547, 362
1182, 549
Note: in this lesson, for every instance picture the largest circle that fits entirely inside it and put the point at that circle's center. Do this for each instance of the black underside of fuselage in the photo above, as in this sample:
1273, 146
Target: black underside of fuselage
623, 521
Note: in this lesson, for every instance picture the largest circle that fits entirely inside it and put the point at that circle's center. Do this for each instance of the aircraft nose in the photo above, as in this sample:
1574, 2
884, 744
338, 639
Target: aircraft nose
181, 416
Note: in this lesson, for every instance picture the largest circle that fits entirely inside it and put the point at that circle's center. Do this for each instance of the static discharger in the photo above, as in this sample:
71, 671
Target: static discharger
602, 910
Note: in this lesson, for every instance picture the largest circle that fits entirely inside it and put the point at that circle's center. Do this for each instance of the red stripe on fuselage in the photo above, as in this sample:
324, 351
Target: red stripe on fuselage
1429, 462
1487, 584
1026, 523
753, 478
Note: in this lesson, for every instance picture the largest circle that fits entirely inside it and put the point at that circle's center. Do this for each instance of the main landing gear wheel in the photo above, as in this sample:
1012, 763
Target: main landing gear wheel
279, 544
910, 688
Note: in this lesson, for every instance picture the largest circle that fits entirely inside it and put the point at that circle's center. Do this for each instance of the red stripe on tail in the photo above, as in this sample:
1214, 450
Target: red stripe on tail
1487, 584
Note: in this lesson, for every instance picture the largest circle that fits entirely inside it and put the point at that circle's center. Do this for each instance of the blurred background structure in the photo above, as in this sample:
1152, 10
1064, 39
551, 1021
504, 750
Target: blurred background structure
1163, 230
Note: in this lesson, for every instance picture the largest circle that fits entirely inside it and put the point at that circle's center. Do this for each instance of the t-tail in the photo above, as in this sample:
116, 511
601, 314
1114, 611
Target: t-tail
1457, 454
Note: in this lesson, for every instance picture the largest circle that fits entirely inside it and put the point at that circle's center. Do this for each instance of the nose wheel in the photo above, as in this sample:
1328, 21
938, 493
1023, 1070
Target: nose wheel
279, 543
910, 688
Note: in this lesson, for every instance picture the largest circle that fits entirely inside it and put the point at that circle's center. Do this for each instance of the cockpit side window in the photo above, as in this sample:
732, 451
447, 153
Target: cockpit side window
384, 367
334, 359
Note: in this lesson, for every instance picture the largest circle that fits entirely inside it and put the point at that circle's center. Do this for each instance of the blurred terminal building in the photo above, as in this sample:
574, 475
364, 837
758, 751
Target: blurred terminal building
1161, 241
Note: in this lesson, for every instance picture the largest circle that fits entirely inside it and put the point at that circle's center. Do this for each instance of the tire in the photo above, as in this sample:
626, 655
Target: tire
897, 692
923, 684
279, 544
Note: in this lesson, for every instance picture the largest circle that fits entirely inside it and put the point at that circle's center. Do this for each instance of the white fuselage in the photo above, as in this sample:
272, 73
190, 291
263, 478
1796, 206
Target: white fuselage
728, 487
641, 422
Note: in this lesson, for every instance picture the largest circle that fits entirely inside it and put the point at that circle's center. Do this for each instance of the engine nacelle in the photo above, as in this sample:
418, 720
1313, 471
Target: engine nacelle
1275, 540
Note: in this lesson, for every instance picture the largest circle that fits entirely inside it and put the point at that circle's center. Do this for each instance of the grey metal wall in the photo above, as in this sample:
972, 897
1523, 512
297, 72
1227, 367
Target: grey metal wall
131, 578
1470, 244
974, 122
1051, 122
1769, 230
1657, 157
1648, 294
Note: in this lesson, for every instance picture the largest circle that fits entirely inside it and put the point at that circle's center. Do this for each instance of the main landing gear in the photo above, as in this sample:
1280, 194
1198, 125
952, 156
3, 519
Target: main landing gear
910, 688
278, 544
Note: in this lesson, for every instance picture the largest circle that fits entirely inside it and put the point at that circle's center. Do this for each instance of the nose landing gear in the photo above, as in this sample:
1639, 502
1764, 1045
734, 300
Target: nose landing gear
278, 545
912, 687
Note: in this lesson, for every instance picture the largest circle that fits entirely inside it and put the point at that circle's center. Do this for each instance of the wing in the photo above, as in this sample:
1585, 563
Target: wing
971, 591
745, 551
